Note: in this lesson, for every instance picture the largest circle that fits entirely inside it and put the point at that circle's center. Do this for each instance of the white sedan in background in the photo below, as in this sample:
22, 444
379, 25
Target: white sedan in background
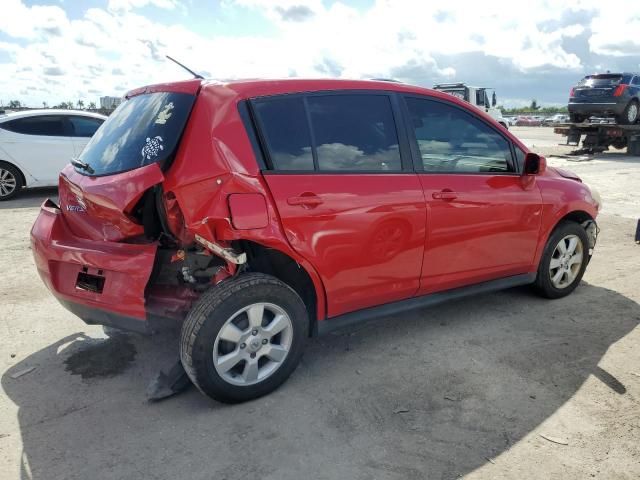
36, 144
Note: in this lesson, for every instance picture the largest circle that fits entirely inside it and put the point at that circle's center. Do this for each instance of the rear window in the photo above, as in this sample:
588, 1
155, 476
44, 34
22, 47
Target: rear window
604, 80
143, 130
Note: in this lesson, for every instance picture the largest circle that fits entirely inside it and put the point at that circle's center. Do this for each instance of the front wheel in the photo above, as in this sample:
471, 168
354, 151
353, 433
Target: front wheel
244, 337
563, 261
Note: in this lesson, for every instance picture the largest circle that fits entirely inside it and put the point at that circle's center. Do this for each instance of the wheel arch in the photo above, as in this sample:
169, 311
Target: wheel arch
286, 269
577, 215
23, 178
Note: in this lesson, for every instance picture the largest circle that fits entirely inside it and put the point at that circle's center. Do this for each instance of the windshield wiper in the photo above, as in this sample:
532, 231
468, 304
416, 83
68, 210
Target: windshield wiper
76, 162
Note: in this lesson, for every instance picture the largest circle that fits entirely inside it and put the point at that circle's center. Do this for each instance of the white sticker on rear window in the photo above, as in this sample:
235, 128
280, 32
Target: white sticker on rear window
164, 114
152, 148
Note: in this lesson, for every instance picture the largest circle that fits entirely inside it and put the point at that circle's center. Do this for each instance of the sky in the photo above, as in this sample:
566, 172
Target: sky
70, 50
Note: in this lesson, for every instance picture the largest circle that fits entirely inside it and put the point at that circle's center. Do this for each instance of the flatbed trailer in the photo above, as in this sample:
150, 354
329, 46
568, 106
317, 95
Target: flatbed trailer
598, 137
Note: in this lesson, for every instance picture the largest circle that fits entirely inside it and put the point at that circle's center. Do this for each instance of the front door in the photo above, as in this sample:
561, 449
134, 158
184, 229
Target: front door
483, 221
346, 203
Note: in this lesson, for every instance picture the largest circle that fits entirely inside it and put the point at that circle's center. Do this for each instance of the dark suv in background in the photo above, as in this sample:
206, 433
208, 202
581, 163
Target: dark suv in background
606, 94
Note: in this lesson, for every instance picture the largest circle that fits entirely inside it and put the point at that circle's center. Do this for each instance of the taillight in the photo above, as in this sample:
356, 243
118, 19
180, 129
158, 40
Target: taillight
571, 92
620, 90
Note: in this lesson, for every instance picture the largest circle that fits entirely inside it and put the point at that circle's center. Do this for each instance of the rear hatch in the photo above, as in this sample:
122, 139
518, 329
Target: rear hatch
596, 87
105, 193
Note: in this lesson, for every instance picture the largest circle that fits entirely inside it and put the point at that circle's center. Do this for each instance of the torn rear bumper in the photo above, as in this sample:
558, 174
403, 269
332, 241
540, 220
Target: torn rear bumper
101, 282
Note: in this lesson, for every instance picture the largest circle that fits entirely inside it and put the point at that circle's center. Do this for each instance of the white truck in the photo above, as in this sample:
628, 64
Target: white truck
477, 96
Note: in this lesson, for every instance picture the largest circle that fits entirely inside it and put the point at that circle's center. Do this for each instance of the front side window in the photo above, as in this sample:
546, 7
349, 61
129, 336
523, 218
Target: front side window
354, 132
84, 126
451, 140
49, 125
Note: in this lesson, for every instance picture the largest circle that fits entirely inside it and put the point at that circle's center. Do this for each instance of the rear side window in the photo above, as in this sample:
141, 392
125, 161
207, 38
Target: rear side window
84, 126
451, 140
636, 80
285, 126
50, 125
143, 130
345, 132
354, 132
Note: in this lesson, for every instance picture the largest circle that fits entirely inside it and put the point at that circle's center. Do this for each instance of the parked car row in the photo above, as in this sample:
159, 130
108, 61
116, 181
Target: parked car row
537, 120
36, 144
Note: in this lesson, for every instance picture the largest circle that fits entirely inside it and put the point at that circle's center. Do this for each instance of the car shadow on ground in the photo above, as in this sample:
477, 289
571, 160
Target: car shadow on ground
30, 198
432, 394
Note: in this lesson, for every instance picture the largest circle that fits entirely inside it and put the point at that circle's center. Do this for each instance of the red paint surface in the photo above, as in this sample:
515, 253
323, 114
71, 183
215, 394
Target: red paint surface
60, 255
366, 238
248, 211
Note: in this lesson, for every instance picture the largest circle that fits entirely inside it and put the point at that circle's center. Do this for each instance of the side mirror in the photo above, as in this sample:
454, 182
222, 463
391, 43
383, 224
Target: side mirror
534, 164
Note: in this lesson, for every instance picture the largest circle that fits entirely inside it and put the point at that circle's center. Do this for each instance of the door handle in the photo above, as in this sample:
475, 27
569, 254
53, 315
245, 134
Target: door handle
306, 200
445, 195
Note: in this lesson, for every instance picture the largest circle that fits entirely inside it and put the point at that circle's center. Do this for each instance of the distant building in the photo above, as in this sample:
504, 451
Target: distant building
110, 103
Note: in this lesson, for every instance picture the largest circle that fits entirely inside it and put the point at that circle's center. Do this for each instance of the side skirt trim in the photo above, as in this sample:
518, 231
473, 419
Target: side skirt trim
353, 318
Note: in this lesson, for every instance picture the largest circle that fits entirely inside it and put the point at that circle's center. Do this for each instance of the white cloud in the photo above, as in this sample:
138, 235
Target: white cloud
110, 50
126, 5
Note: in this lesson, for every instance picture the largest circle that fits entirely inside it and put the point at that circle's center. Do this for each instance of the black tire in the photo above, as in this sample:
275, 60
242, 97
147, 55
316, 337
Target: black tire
543, 284
9, 173
210, 314
627, 117
576, 118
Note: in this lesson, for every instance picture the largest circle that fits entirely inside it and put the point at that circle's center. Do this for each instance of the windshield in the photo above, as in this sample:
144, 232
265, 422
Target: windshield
604, 80
142, 130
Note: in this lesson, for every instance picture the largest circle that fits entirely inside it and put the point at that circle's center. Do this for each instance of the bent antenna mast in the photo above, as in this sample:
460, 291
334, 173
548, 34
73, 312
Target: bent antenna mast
196, 75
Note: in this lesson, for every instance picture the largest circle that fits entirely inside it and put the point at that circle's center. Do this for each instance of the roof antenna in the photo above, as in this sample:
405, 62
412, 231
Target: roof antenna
196, 75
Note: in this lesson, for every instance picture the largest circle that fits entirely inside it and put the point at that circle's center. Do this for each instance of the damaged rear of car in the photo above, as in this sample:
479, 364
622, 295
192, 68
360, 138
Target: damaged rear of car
100, 248
165, 202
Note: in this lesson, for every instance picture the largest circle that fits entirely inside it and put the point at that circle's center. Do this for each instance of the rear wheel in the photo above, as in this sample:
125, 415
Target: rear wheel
244, 337
630, 114
563, 261
10, 181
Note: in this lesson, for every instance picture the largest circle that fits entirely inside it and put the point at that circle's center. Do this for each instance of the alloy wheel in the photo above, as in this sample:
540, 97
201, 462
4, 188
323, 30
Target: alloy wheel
632, 113
8, 182
566, 261
252, 344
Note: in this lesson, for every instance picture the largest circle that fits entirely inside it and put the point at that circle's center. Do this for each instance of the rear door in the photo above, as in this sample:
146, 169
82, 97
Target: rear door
347, 201
41, 144
482, 220
82, 129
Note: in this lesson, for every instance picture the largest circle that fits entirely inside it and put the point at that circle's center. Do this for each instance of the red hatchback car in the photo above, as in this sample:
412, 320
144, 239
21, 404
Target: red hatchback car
254, 214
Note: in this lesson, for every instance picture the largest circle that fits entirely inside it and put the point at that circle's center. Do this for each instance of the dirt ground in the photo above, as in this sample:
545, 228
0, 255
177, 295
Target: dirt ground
500, 386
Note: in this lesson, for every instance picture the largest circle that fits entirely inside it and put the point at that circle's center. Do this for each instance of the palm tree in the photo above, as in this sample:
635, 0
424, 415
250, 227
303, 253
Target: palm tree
92, 106
80, 104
